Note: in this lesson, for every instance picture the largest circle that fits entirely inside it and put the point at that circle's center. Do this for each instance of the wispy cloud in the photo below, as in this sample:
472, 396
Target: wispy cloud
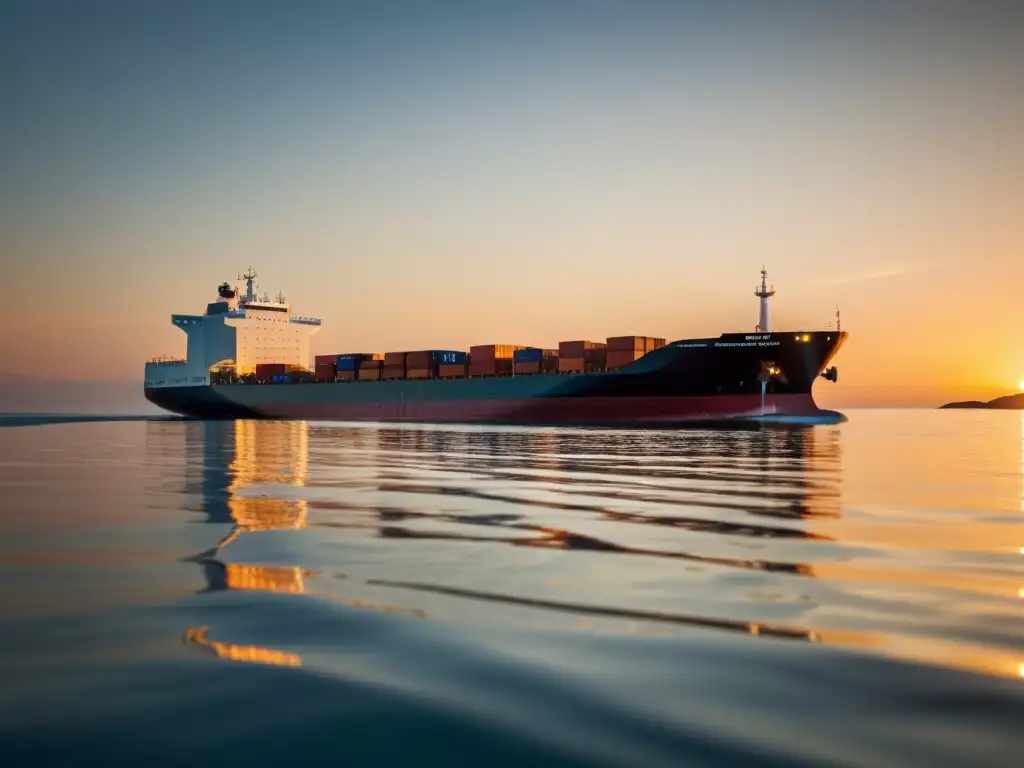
873, 274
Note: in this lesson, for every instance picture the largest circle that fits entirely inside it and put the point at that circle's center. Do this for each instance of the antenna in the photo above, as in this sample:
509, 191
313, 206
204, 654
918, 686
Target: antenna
280, 297
838, 326
250, 285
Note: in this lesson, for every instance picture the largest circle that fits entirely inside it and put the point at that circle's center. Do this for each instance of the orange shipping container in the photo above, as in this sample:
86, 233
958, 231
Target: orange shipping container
523, 369
451, 371
346, 376
570, 365
484, 352
393, 359
367, 374
394, 372
369, 365
418, 373
653, 344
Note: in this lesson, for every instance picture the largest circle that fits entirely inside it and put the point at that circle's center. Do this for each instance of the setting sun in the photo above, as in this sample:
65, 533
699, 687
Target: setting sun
1020, 385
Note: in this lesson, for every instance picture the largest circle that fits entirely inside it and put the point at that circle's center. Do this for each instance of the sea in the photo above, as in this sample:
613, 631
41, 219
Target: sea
178, 592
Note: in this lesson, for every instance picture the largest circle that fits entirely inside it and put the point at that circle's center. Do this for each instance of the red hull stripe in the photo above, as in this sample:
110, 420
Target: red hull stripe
564, 410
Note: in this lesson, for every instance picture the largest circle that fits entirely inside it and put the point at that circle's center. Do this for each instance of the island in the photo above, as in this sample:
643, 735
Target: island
1006, 403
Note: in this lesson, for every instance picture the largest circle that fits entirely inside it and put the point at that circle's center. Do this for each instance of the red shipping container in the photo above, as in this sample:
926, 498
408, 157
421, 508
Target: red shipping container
451, 371
325, 372
323, 359
572, 349
393, 372
346, 376
570, 365
264, 371
418, 373
393, 359
369, 374
500, 367
484, 352
627, 343
524, 369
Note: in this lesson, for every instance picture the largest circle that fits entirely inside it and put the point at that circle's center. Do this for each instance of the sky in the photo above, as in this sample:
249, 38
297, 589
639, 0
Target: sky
436, 175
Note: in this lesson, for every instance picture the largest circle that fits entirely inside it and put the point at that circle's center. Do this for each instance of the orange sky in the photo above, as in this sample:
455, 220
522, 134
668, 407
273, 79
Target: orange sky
512, 177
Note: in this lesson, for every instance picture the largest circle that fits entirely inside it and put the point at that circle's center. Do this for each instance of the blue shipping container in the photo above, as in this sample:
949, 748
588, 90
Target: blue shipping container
528, 355
448, 357
348, 362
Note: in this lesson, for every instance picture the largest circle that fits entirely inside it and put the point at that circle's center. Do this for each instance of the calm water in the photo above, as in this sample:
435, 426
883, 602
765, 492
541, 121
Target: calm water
289, 593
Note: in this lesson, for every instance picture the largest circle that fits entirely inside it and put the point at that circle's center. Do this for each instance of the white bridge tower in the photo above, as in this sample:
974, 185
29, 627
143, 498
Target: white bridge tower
764, 293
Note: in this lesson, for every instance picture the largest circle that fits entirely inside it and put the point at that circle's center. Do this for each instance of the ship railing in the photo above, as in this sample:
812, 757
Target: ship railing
166, 360
305, 320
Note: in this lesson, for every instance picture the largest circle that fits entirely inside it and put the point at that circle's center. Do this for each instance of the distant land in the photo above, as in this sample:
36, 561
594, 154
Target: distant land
1006, 403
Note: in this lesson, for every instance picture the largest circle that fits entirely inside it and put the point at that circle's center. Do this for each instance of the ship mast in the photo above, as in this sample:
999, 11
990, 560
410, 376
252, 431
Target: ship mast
250, 285
764, 293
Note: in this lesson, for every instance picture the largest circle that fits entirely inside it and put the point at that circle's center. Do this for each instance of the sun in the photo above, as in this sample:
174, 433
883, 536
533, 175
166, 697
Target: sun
1020, 385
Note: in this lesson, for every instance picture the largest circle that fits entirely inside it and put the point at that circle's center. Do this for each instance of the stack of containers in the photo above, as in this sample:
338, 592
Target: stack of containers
265, 372
535, 360
623, 350
370, 367
349, 365
492, 359
452, 364
394, 365
325, 367
426, 363
580, 356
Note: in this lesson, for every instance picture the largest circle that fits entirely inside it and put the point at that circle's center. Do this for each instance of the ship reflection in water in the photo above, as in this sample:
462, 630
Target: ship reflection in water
609, 531
476, 488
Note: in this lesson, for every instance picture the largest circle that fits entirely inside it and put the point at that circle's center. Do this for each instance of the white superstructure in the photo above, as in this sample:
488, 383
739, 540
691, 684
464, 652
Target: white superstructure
236, 333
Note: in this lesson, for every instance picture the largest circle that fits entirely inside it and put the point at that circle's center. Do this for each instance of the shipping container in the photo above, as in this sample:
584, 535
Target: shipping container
393, 359
525, 369
595, 359
325, 372
653, 344
452, 371
370, 374
351, 360
266, 371
573, 349
627, 343
432, 357
570, 365
499, 367
346, 375
369, 365
618, 358
322, 359
419, 373
484, 352
528, 355
549, 363
393, 372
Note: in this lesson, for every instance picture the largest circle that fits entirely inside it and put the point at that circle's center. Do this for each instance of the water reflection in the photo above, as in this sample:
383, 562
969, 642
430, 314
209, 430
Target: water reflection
737, 530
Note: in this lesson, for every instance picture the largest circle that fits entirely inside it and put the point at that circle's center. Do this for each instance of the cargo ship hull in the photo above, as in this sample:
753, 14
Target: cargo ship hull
735, 376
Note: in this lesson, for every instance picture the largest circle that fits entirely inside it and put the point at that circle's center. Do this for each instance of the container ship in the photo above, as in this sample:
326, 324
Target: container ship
249, 357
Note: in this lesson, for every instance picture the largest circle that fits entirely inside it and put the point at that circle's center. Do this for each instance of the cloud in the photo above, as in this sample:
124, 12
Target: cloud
874, 274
